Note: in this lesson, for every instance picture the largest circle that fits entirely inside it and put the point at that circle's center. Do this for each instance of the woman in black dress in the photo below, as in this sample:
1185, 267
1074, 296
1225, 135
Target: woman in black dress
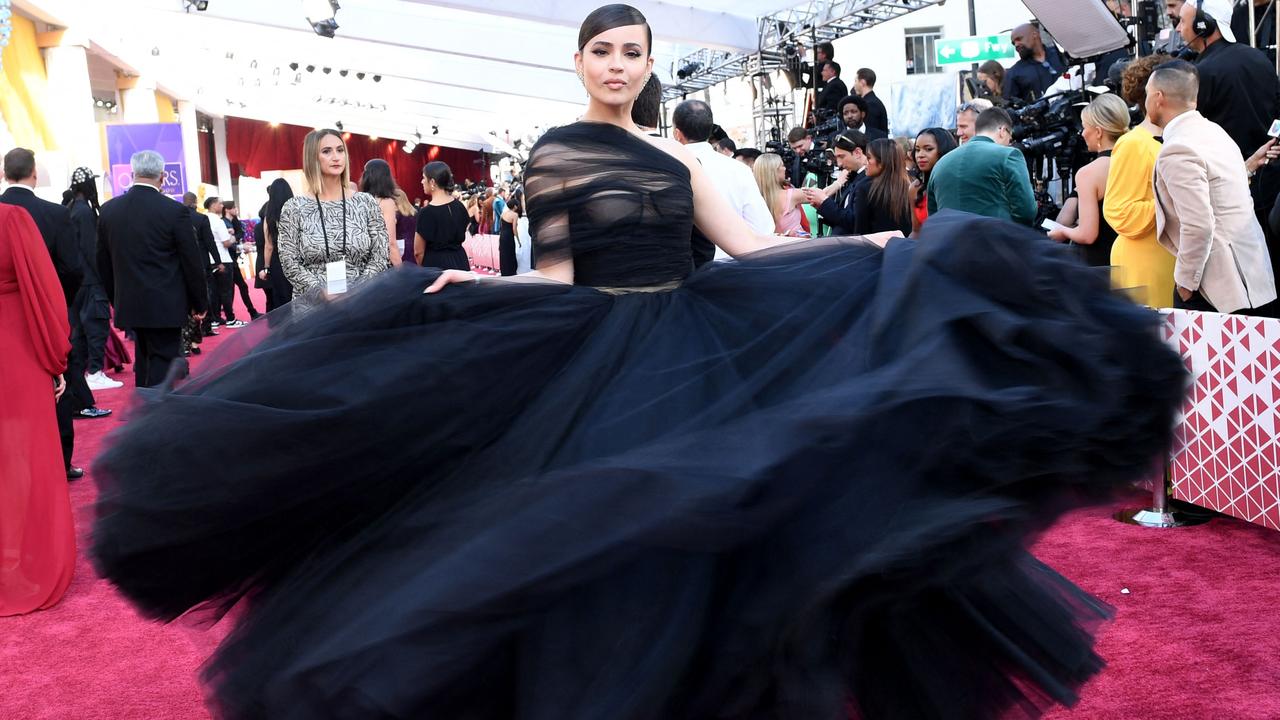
884, 203
278, 193
796, 484
507, 257
442, 222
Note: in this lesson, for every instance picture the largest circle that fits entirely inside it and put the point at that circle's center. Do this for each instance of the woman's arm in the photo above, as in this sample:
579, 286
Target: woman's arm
268, 250
379, 255
419, 247
290, 248
1088, 186
388, 208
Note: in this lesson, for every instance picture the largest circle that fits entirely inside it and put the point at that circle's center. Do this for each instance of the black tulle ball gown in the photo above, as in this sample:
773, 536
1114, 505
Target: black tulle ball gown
795, 485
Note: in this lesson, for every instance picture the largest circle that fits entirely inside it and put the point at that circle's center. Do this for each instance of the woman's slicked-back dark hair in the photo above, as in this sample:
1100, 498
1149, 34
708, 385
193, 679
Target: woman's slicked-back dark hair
376, 179
440, 173
608, 17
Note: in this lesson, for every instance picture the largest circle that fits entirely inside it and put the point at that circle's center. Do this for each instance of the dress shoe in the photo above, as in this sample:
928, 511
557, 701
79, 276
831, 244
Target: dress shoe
92, 413
75, 473
195, 349
236, 323
100, 381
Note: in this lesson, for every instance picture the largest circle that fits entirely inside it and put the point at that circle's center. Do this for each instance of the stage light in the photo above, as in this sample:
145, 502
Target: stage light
377, 78
293, 67
199, 5
327, 70
274, 124
338, 125
343, 73
359, 76
311, 68
410, 146
435, 129
253, 64
321, 16
374, 138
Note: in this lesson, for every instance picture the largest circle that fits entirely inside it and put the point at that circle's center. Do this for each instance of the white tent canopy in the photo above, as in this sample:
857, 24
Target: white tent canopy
458, 74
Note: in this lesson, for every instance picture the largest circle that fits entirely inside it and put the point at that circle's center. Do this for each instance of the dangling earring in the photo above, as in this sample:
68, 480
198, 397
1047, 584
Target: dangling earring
582, 78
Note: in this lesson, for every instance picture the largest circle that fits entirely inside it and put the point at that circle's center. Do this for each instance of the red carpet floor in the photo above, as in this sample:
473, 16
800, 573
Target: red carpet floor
1196, 633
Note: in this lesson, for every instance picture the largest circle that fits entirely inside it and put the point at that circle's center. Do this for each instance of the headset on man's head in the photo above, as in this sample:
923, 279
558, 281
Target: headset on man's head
1203, 23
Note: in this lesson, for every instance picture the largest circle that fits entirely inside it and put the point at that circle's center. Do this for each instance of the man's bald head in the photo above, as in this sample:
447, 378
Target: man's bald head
1026, 40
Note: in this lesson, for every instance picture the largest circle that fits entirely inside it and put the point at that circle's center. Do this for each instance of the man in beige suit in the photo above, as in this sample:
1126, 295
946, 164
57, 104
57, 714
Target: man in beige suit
1204, 213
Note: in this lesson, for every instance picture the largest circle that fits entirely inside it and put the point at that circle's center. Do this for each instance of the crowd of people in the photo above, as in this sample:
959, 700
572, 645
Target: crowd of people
1175, 202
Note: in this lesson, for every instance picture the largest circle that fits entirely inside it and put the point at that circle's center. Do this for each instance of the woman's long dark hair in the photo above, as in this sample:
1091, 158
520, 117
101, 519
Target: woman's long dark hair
891, 189
608, 17
377, 181
945, 141
278, 193
88, 189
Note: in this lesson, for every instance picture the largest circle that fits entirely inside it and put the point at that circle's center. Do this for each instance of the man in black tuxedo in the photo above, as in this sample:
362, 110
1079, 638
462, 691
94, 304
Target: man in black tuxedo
151, 268
208, 250
864, 84
854, 112
54, 223
833, 88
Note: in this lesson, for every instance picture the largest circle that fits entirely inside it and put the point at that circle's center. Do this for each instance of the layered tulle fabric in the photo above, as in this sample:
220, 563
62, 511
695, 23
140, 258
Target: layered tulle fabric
797, 486
37, 539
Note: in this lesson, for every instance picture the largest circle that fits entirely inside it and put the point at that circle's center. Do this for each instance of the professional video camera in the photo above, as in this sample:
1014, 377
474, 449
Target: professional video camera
818, 160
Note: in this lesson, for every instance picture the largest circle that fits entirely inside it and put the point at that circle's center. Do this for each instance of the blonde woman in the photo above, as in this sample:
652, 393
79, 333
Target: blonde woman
329, 237
783, 202
406, 221
377, 181
1104, 120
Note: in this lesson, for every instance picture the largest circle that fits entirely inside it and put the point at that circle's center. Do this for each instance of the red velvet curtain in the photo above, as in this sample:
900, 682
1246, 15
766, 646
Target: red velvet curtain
254, 146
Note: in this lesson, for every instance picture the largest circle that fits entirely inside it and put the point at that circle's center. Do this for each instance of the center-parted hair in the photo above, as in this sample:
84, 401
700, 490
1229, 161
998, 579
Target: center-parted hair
766, 174
606, 18
891, 189
377, 181
311, 171
694, 120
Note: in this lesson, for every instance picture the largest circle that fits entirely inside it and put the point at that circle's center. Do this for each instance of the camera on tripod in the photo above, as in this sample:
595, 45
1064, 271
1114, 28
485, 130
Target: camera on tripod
1048, 132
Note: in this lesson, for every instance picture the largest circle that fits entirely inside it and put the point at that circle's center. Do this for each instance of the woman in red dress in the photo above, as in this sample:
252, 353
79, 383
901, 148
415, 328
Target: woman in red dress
37, 536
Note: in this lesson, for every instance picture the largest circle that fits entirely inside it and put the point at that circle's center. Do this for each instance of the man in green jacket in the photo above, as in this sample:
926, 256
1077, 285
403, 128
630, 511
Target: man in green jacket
985, 176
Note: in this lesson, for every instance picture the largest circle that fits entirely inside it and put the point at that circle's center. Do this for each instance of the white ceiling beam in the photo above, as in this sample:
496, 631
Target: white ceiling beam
672, 23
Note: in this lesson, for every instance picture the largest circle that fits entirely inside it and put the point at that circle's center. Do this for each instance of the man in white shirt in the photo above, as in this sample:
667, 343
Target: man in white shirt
693, 122
225, 296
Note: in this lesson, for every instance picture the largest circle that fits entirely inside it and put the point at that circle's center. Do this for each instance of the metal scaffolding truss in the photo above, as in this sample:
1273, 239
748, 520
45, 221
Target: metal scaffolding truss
811, 22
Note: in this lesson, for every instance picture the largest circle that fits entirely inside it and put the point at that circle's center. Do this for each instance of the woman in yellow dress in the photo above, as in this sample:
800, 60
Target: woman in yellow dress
1144, 268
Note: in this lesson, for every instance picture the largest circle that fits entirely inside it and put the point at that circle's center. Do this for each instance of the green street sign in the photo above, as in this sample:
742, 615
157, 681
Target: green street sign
974, 49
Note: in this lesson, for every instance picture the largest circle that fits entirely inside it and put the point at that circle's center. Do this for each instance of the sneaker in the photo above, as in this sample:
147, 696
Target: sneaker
93, 413
215, 323
99, 381
236, 323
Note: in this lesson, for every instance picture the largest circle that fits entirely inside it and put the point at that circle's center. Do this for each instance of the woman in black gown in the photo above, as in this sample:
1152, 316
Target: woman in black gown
507, 256
442, 222
798, 484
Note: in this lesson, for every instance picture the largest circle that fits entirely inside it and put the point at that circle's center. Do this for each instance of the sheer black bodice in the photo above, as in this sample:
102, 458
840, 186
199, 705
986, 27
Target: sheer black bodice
621, 208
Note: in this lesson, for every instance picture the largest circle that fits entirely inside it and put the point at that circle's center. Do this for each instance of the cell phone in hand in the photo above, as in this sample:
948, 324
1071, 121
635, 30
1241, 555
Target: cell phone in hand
1274, 131
1051, 225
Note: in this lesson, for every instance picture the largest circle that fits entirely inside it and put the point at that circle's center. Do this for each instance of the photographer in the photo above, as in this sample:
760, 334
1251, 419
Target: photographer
853, 113
985, 176
835, 203
1038, 66
801, 143
864, 85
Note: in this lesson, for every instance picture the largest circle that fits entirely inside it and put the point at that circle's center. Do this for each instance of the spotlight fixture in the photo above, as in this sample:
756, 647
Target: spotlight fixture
435, 129
155, 52
311, 68
293, 67
197, 5
253, 64
338, 125
359, 76
343, 73
321, 16
410, 146
377, 78
326, 71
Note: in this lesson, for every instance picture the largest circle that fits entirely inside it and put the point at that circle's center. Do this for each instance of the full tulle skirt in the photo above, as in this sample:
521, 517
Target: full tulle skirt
798, 485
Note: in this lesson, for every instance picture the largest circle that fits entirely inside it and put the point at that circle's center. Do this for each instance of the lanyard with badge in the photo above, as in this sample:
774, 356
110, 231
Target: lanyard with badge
335, 273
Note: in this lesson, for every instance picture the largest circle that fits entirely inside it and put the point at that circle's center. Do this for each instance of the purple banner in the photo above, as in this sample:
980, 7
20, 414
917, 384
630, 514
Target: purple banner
165, 138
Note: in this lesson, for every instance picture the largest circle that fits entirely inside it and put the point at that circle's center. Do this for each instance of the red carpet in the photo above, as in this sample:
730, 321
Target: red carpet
1196, 636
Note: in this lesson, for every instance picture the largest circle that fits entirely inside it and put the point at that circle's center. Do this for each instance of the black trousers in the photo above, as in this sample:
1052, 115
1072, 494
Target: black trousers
223, 303
155, 351
78, 393
95, 327
66, 410
1195, 302
238, 278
